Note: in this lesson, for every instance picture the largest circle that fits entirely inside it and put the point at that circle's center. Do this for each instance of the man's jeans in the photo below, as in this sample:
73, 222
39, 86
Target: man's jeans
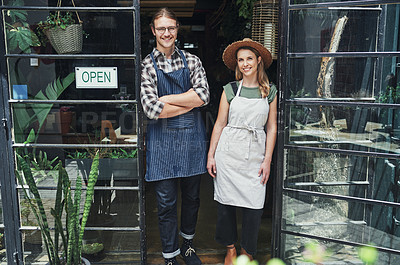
167, 195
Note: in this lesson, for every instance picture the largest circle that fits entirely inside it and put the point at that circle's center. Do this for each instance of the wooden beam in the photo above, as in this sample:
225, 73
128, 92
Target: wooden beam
167, 3
183, 13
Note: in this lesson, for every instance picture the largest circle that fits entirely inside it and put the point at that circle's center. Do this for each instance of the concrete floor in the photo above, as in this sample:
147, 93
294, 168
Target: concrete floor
209, 251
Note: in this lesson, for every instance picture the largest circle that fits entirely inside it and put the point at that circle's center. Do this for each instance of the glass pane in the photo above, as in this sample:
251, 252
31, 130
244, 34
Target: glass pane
339, 174
299, 2
333, 30
116, 166
99, 32
345, 78
85, 79
297, 249
76, 124
119, 247
89, 3
110, 209
343, 220
351, 128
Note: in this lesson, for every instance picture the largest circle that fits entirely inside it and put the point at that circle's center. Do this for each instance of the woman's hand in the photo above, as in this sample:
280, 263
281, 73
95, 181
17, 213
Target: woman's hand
211, 167
264, 171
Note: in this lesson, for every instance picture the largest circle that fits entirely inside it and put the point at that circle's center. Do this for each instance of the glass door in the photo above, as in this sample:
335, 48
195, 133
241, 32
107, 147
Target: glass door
71, 84
339, 136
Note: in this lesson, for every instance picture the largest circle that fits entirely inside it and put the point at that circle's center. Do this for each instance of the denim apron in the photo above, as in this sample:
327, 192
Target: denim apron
175, 147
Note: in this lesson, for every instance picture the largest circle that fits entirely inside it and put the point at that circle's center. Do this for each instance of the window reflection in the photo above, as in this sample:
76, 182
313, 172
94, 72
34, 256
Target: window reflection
333, 30
350, 128
333, 253
103, 32
346, 175
339, 219
346, 78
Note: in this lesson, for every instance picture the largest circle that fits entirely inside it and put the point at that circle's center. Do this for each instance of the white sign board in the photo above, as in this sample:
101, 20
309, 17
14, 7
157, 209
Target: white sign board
96, 77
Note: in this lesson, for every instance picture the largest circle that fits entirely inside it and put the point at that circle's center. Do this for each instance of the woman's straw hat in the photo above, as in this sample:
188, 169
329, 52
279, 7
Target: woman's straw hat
229, 55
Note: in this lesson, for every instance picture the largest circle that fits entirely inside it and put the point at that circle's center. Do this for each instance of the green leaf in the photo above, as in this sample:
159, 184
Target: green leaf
368, 254
12, 37
52, 91
31, 137
275, 261
41, 215
93, 175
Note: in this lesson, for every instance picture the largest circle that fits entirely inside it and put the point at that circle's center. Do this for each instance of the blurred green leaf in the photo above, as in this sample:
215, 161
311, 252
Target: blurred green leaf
368, 254
275, 261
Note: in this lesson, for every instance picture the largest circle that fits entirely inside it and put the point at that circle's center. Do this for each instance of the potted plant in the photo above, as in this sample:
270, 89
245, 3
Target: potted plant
32, 238
93, 250
18, 31
62, 31
23, 116
66, 117
69, 250
117, 167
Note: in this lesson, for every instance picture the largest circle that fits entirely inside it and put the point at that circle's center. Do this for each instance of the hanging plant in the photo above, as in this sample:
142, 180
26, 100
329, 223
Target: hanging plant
245, 8
63, 32
19, 34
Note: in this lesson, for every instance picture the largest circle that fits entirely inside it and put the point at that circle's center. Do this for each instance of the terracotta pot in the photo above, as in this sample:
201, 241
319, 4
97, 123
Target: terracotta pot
66, 121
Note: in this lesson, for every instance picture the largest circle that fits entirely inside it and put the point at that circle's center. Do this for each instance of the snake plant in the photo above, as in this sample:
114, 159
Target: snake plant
69, 250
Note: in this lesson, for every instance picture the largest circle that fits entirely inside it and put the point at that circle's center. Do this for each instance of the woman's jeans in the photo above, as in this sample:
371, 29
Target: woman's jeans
226, 232
167, 195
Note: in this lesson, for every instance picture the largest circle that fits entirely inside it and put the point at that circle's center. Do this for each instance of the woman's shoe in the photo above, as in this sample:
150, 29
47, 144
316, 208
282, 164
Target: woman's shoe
243, 252
230, 255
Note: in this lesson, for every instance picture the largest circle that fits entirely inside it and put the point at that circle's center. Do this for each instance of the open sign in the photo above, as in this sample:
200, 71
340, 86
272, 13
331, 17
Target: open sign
96, 77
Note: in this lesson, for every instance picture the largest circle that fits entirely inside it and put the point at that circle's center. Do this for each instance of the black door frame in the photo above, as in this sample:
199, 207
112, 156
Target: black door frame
283, 118
9, 188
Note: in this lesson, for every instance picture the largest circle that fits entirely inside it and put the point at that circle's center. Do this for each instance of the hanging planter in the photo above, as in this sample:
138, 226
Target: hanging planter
265, 25
68, 40
63, 32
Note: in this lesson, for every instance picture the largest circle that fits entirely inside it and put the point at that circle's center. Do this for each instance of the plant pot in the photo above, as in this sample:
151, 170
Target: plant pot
84, 262
67, 40
124, 168
93, 249
66, 121
33, 241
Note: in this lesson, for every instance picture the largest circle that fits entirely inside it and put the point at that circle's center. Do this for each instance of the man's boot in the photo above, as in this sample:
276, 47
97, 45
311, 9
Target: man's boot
189, 253
171, 261
230, 255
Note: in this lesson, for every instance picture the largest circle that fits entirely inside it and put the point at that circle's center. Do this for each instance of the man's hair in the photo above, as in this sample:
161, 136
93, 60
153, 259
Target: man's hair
164, 12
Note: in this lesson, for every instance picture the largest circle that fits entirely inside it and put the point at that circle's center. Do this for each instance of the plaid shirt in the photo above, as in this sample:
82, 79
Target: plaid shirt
148, 91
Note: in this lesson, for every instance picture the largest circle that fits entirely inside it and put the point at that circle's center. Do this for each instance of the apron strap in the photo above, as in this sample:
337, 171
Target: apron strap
234, 87
183, 58
154, 61
239, 89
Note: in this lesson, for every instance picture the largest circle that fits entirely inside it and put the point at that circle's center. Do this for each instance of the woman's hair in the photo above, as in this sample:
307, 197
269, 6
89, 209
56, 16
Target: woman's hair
164, 12
262, 77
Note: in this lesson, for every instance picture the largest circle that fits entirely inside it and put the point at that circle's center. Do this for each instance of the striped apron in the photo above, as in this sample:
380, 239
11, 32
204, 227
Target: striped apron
175, 147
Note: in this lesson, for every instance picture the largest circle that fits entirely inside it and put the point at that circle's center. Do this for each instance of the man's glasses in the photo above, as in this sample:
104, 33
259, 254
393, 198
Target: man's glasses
171, 29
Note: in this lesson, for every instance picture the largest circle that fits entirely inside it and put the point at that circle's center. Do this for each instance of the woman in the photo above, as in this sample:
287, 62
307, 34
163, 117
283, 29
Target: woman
241, 146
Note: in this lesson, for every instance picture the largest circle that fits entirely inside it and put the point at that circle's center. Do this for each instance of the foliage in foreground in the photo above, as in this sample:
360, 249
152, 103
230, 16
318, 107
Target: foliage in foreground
69, 250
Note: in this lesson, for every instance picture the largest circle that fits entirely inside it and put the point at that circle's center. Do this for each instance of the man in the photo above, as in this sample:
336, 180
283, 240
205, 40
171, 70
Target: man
173, 86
